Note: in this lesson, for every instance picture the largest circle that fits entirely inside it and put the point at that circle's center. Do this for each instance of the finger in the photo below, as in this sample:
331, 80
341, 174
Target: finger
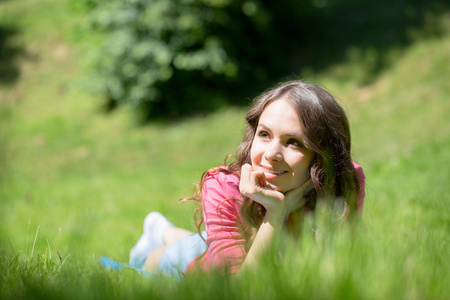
270, 193
250, 185
308, 185
245, 178
257, 178
304, 188
296, 196
253, 184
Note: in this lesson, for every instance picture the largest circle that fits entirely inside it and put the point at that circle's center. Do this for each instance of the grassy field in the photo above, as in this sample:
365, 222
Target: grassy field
76, 183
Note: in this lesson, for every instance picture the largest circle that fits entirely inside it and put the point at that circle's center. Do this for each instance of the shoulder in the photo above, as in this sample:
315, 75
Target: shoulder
227, 182
359, 170
362, 187
220, 174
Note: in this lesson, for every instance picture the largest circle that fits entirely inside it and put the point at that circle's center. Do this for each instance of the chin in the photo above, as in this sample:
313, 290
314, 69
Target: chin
277, 188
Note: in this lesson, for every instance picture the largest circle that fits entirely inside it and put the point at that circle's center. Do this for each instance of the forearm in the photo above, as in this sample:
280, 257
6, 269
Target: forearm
278, 206
271, 228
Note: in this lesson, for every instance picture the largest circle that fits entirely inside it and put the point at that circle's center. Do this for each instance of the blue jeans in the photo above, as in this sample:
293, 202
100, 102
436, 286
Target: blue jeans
173, 262
176, 259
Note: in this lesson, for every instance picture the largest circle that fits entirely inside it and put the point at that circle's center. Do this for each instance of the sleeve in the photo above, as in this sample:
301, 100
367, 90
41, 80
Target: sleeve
225, 234
362, 187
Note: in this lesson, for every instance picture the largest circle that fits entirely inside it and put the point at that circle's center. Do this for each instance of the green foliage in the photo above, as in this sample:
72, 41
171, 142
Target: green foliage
169, 58
150, 47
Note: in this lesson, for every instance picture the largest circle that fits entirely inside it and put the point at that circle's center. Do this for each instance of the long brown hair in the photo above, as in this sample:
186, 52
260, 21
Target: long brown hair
325, 131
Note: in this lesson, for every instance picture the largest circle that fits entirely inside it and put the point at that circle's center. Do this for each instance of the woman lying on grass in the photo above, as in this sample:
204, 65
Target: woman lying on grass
295, 153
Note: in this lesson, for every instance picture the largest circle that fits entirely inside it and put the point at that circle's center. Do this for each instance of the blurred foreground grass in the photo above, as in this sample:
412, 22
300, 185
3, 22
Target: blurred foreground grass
76, 183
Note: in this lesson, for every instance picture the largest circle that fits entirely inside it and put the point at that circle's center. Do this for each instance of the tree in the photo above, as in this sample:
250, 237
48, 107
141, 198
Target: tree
175, 57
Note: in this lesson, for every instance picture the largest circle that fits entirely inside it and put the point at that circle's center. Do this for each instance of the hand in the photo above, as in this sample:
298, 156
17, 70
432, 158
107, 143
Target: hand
295, 198
254, 185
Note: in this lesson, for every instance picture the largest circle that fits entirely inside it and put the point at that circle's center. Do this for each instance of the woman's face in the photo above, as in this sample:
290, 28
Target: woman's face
278, 147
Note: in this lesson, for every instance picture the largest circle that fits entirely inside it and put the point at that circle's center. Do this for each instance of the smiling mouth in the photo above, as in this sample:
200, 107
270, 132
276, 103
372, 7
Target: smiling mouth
274, 172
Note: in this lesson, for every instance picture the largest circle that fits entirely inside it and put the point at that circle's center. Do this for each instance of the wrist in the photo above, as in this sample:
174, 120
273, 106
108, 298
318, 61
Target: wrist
275, 217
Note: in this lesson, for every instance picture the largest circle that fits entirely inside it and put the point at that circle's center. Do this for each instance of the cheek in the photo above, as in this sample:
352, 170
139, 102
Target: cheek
302, 165
255, 153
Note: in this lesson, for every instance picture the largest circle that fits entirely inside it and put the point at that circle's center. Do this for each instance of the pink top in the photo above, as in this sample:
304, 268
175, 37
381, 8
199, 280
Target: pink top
225, 225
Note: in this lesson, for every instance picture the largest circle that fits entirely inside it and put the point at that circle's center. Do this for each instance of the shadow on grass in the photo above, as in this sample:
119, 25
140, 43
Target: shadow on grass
10, 52
335, 31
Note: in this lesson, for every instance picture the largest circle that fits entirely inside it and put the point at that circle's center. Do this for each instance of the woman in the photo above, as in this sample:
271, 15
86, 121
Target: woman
295, 153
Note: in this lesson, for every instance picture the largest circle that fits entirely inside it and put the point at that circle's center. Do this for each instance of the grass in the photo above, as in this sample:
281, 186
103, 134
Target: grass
75, 183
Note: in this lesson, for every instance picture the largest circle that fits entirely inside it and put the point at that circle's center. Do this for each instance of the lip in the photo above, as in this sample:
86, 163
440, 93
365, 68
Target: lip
272, 173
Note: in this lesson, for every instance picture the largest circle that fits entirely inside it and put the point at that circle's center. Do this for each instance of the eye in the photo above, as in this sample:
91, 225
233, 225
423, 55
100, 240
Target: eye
295, 143
263, 134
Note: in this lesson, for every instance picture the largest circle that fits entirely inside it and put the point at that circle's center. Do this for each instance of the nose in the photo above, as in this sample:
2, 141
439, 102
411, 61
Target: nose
273, 152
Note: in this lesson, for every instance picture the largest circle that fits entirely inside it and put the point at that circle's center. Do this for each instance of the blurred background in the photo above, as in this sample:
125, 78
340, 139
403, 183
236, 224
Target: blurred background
110, 109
